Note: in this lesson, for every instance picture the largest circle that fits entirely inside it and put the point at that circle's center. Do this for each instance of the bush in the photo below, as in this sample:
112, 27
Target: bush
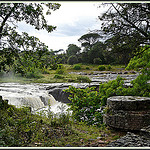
60, 69
57, 76
101, 68
97, 61
87, 68
85, 105
83, 79
77, 67
72, 60
109, 67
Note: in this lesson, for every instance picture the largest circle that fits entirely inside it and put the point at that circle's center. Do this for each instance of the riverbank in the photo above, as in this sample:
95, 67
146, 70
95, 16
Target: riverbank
69, 74
20, 128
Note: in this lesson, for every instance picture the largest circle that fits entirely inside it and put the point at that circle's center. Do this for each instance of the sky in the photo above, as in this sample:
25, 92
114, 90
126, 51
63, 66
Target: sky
73, 19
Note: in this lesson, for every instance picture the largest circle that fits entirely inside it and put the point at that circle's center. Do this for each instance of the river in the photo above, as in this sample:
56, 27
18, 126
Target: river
37, 95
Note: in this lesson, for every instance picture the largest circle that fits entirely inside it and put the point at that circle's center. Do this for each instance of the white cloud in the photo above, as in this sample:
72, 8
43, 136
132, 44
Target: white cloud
73, 19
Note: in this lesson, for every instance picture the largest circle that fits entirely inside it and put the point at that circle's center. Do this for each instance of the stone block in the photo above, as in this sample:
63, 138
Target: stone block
128, 112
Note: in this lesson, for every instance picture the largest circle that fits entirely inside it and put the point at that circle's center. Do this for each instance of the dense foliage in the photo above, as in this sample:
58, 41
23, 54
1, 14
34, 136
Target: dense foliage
19, 127
126, 27
21, 53
87, 103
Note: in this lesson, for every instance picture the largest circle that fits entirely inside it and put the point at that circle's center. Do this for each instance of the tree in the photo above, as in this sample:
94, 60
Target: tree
128, 20
72, 60
73, 49
88, 40
14, 45
31, 13
25, 53
96, 52
123, 47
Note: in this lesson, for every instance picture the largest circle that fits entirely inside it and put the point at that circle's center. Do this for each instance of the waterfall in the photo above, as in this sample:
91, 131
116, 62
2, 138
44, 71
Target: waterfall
32, 95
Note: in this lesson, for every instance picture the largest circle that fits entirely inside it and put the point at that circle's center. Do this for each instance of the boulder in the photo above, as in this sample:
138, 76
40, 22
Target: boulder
60, 95
128, 112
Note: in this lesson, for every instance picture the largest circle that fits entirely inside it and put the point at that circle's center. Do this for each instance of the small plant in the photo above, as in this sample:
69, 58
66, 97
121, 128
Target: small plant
101, 68
109, 67
77, 67
60, 69
83, 79
87, 68
64, 118
57, 76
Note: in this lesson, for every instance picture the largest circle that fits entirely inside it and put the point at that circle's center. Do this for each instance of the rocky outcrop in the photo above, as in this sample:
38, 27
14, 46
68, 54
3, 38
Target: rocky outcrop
128, 112
57, 91
60, 95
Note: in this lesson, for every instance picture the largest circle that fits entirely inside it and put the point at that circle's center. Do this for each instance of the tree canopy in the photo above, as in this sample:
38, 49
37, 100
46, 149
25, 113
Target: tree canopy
21, 51
88, 40
127, 18
73, 49
31, 13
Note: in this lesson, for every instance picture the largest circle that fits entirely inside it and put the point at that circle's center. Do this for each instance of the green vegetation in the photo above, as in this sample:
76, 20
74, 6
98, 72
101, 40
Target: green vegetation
72, 60
26, 59
101, 68
20, 128
109, 67
83, 79
87, 102
77, 67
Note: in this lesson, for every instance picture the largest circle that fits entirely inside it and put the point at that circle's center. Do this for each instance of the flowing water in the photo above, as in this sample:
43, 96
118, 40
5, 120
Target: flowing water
36, 95
32, 95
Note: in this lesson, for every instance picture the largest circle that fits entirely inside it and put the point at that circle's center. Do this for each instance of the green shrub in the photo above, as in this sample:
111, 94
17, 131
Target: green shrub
77, 67
83, 79
87, 68
33, 75
109, 67
57, 76
85, 105
101, 68
60, 69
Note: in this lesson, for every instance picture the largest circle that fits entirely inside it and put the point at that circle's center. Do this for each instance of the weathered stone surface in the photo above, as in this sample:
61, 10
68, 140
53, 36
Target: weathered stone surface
145, 132
128, 103
60, 95
128, 112
127, 120
130, 140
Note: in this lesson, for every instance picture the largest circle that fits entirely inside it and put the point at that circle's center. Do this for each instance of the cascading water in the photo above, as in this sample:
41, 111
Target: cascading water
32, 95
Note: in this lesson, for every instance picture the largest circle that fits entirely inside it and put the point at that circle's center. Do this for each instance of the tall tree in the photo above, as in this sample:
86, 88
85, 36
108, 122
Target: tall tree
73, 49
31, 13
88, 40
96, 52
27, 50
130, 20
11, 43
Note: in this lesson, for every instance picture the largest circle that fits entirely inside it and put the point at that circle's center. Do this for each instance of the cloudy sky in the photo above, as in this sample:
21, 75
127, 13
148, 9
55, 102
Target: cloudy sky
73, 19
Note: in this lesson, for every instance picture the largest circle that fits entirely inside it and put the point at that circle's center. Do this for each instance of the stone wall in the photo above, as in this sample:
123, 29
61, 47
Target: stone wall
127, 112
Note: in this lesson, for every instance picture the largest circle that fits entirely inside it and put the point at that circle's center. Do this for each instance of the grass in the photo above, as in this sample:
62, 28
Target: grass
50, 76
19, 127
